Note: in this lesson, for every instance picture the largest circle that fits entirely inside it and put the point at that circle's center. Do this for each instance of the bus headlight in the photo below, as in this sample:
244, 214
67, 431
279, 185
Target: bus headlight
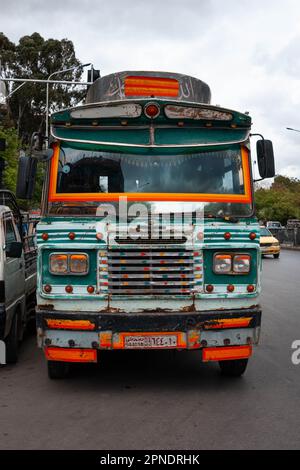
58, 263
79, 264
241, 264
222, 264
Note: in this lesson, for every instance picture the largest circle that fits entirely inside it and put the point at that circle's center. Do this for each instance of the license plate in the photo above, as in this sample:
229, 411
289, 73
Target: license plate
150, 341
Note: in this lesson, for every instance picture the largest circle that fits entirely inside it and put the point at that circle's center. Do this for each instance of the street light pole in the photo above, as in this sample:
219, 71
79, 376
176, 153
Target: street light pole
291, 129
47, 91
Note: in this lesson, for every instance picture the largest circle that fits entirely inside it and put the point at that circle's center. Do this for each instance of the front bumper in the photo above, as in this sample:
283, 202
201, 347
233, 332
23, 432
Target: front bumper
272, 250
195, 330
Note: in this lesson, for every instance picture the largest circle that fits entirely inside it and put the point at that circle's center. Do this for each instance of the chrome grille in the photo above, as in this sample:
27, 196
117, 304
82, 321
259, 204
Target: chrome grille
152, 270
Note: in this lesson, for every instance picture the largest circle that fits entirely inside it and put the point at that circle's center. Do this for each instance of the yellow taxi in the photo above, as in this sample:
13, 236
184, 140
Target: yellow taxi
269, 245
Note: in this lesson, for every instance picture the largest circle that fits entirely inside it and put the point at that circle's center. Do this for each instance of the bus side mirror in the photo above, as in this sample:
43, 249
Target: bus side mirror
265, 158
26, 177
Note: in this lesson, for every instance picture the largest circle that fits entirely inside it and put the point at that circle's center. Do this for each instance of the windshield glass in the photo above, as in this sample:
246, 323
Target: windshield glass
264, 232
216, 178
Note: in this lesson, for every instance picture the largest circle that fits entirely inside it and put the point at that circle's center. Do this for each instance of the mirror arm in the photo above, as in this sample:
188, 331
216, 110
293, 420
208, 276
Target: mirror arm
259, 135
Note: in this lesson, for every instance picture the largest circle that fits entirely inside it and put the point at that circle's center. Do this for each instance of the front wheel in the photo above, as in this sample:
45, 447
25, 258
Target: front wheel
234, 368
276, 256
58, 370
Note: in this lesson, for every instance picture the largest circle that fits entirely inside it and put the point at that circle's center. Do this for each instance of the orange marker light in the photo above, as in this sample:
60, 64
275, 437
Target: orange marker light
151, 86
45, 236
69, 289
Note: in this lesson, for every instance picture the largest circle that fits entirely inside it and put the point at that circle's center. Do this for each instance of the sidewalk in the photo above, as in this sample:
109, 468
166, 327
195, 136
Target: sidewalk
289, 247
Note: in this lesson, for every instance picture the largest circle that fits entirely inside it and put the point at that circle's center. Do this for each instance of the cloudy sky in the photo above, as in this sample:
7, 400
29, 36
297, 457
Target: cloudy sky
247, 51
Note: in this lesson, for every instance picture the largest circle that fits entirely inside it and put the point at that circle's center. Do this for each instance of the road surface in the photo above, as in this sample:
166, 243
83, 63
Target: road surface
165, 400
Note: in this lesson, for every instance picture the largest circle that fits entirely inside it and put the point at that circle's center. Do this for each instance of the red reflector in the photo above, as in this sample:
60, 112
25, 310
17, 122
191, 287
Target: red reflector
151, 110
226, 353
151, 86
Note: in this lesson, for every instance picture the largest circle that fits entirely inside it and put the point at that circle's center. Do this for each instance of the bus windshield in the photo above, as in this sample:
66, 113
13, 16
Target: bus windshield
215, 177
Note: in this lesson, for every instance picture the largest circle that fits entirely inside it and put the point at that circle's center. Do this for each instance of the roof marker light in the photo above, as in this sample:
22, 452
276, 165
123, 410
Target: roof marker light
151, 86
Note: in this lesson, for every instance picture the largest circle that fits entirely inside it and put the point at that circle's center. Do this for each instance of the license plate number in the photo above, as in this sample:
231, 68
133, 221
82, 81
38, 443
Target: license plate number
150, 341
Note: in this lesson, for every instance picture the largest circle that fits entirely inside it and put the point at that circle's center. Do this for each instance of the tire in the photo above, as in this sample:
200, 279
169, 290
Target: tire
12, 342
234, 368
58, 370
276, 256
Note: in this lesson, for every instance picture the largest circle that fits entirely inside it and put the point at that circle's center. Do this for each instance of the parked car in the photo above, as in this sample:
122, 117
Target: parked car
274, 224
269, 245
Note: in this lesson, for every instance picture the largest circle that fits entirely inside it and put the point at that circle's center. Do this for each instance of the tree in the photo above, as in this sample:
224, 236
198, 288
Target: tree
35, 57
281, 201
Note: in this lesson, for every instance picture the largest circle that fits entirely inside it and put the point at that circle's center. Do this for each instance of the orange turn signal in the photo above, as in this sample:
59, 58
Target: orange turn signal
71, 355
226, 353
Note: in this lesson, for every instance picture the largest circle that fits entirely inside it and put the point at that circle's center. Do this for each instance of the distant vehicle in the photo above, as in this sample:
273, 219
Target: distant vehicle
269, 245
293, 223
274, 224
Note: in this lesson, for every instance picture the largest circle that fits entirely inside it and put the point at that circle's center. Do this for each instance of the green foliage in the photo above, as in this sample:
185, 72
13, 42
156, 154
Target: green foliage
280, 202
11, 157
35, 57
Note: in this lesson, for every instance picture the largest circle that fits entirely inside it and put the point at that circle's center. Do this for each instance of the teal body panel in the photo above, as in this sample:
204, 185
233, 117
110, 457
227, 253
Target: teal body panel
85, 241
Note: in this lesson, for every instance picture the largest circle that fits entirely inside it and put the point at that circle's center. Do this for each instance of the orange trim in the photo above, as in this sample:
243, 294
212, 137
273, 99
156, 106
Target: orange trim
147, 86
228, 323
226, 354
238, 198
70, 324
181, 339
71, 355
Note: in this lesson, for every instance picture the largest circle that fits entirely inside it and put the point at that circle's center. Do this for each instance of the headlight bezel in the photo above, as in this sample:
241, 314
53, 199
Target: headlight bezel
232, 256
69, 272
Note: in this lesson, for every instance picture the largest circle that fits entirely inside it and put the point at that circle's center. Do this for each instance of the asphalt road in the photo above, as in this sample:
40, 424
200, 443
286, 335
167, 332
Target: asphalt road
165, 400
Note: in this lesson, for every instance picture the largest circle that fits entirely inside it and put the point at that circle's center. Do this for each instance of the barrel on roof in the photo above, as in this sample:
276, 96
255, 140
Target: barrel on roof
133, 85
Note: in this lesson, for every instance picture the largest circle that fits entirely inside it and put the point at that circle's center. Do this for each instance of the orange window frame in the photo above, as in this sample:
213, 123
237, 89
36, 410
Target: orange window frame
186, 197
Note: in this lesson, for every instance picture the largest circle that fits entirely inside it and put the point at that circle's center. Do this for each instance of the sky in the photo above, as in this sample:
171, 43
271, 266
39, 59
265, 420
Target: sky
247, 51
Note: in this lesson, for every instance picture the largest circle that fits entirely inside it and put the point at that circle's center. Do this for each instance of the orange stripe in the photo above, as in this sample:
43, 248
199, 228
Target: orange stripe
228, 323
71, 355
70, 324
226, 353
